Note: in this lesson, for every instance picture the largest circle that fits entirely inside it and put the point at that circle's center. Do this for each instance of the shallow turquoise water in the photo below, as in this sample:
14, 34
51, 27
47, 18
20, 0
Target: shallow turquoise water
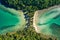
49, 23
11, 20
50, 16
7, 19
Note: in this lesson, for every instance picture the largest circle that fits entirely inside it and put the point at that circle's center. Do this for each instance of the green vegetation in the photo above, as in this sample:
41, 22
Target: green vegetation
29, 6
27, 34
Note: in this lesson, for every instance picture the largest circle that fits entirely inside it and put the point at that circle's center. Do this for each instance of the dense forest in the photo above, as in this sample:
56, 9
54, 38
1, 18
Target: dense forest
27, 34
29, 6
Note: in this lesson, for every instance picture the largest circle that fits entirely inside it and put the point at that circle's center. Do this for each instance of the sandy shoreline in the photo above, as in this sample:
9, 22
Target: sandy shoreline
20, 16
36, 19
37, 14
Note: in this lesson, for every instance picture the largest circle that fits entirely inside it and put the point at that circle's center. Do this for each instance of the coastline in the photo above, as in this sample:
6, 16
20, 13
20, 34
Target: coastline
37, 14
36, 19
19, 26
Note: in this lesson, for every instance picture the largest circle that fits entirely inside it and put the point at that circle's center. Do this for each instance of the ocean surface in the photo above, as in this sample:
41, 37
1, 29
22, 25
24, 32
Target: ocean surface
10, 19
7, 19
49, 22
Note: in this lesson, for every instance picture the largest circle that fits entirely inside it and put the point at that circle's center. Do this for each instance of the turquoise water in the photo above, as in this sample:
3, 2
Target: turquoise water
49, 22
7, 19
10, 20
50, 16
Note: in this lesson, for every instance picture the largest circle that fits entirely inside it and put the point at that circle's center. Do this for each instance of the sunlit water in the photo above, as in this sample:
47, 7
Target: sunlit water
49, 22
10, 20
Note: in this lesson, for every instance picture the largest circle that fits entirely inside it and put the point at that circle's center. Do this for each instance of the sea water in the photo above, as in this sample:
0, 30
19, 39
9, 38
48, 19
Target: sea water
7, 19
49, 22
10, 20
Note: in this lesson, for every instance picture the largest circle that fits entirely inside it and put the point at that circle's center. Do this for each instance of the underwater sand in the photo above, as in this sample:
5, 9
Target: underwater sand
10, 20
